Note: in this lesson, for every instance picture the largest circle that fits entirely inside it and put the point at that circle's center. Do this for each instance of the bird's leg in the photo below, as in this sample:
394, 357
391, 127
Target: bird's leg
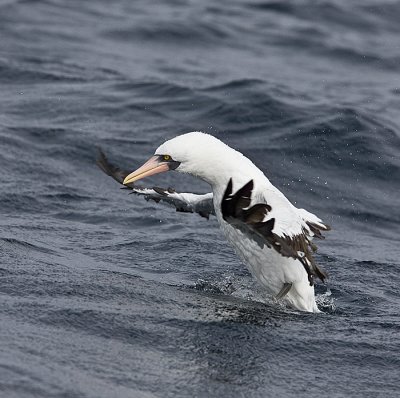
284, 291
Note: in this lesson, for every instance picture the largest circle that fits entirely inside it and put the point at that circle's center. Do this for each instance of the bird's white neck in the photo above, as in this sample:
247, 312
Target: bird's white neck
222, 165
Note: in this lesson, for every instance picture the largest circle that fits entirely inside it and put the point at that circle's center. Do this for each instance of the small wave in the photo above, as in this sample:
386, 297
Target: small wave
65, 197
13, 243
237, 84
179, 32
275, 6
153, 88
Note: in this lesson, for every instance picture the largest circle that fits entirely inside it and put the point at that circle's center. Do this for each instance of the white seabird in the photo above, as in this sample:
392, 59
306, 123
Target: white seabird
270, 235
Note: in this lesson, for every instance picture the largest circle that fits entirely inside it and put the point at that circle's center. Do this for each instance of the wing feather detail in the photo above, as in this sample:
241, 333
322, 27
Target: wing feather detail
201, 204
261, 223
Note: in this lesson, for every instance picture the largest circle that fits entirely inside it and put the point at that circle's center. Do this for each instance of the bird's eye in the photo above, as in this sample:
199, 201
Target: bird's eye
166, 157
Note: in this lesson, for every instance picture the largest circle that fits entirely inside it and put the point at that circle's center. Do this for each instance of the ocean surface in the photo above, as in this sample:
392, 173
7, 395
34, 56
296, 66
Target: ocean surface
103, 294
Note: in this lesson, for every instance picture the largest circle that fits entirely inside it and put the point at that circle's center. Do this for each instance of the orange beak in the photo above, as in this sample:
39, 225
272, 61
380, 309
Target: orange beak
151, 167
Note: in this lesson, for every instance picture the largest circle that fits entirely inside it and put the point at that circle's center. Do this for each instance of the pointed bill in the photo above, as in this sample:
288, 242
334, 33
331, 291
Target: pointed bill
151, 167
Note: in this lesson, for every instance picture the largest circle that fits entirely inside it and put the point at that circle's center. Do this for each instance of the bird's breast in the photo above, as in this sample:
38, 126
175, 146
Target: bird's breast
266, 265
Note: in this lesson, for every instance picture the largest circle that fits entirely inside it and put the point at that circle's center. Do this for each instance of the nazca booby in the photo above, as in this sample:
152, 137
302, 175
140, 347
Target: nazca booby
269, 234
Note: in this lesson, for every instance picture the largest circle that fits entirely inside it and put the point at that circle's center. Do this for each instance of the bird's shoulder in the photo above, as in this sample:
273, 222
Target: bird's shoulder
289, 220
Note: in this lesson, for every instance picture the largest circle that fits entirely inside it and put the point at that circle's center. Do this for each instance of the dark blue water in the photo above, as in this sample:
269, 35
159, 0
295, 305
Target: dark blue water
106, 295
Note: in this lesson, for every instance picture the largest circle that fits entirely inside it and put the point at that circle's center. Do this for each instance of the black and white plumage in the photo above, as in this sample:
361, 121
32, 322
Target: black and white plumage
270, 235
183, 201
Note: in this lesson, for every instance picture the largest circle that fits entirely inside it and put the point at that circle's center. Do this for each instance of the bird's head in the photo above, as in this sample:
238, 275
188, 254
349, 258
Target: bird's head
196, 153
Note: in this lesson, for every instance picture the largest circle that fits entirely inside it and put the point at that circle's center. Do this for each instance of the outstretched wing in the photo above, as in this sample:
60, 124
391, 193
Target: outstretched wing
184, 202
277, 224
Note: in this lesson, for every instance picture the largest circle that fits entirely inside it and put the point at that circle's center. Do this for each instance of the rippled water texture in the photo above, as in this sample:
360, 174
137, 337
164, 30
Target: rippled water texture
106, 295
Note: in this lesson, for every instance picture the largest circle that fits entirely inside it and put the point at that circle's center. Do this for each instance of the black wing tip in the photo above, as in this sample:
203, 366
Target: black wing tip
313, 270
110, 169
317, 228
327, 227
102, 161
322, 274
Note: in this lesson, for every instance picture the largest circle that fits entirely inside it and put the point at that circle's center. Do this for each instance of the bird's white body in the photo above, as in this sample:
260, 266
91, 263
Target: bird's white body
268, 266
